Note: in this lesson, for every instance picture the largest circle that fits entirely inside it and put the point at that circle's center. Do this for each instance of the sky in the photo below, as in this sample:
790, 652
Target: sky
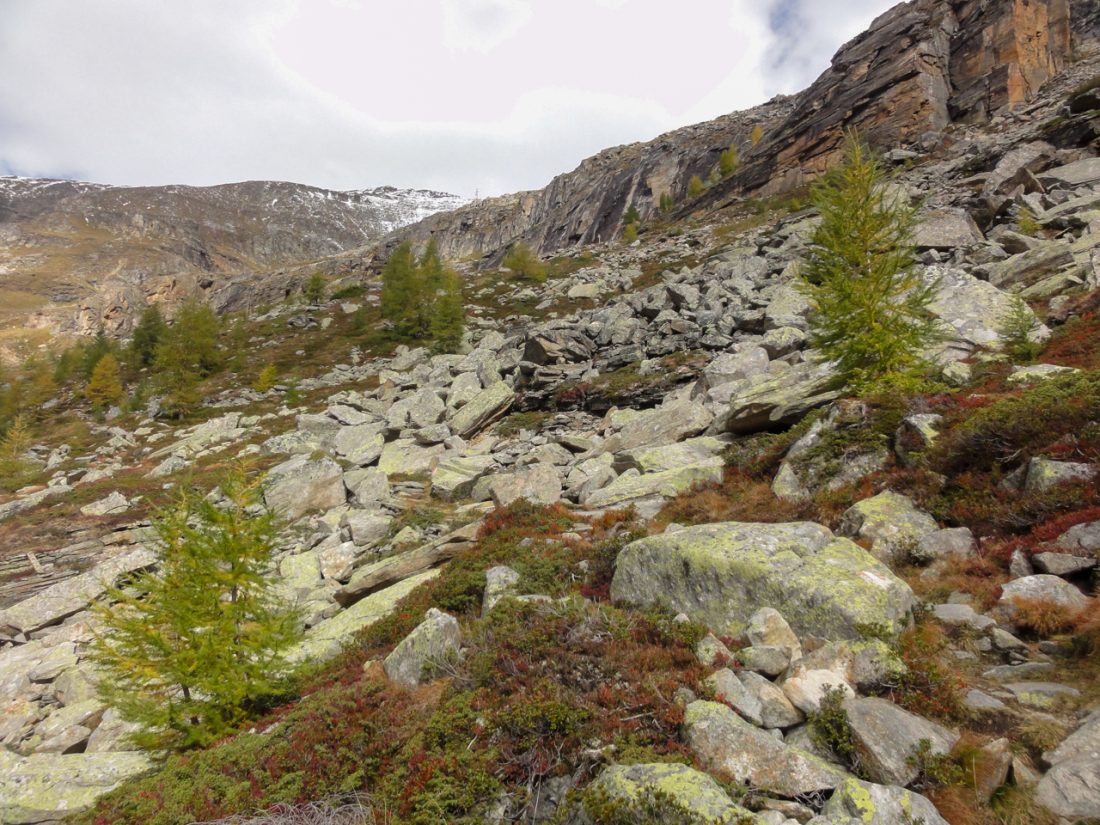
464, 96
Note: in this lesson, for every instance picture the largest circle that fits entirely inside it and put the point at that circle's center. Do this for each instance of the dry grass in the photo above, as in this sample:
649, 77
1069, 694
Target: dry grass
1042, 617
354, 809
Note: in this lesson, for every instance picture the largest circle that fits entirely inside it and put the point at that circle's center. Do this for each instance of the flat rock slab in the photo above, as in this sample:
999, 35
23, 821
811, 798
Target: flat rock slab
720, 574
68, 597
48, 787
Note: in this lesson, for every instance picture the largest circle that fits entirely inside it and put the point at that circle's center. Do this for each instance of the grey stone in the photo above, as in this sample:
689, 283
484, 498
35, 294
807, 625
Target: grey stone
367, 486
299, 486
369, 528
885, 737
961, 615
946, 229
950, 541
482, 409
406, 457
1071, 788
731, 690
1061, 564
1040, 694
422, 409
890, 522
771, 661
718, 573
500, 582
663, 425
769, 401
981, 702
806, 688
454, 478
1079, 173
776, 710
432, 642
1081, 537
113, 504
870, 804
360, 445
723, 742
1043, 587
1043, 474
538, 483
49, 787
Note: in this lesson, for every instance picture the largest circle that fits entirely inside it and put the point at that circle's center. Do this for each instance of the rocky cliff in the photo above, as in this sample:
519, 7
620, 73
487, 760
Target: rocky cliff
77, 255
918, 68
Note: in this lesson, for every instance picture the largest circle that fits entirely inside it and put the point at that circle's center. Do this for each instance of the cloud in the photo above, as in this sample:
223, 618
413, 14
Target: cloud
458, 95
482, 25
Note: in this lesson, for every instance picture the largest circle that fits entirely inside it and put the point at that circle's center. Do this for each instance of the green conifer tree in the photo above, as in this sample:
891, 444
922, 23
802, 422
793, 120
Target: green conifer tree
870, 304
401, 291
192, 647
430, 278
187, 353
448, 314
150, 328
104, 388
524, 263
314, 290
695, 187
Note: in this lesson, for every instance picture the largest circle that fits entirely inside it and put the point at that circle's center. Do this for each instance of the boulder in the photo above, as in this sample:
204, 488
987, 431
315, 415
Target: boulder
766, 402
113, 504
421, 409
807, 688
974, 311
482, 409
369, 528
1043, 474
1079, 173
406, 457
367, 486
326, 639
454, 478
1062, 564
767, 627
1071, 788
890, 522
49, 787
432, 642
539, 484
670, 456
684, 787
886, 737
300, 486
663, 425
748, 361
500, 583
776, 710
725, 743
1044, 587
870, 804
946, 229
719, 574
630, 487
950, 541
1081, 537
360, 445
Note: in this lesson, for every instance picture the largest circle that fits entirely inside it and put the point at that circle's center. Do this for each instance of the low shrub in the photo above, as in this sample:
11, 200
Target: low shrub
1041, 617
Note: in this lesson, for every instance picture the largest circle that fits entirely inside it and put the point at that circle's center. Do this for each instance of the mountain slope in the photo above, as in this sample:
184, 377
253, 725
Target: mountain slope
82, 254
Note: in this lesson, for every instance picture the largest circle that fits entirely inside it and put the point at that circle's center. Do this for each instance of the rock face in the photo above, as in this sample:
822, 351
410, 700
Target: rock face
921, 65
720, 574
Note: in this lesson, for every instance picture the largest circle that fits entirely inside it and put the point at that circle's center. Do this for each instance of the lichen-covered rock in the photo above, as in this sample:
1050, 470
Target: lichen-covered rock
1043, 474
482, 409
48, 787
720, 574
61, 600
1043, 587
684, 787
1071, 788
406, 457
538, 483
946, 229
300, 486
886, 738
890, 522
500, 582
663, 425
430, 644
454, 478
671, 456
361, 445
326, 639
766, 401
725, 743
973, 311
870, 804
631, 486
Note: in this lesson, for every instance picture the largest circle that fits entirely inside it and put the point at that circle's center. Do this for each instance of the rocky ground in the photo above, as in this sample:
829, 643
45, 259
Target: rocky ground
633, 553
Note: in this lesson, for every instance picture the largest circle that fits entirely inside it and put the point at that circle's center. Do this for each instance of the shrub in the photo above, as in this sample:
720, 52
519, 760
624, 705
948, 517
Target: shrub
314, 290
831, 729
1016, 330
191, 649
666, 202
870, 304
523, 263
349, 291
1027, 224
266, 378
630, 232
1041, 617
757, 134
728, 161
695, 187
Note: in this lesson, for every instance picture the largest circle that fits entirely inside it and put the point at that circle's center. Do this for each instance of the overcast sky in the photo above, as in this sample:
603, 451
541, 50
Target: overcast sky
457, 95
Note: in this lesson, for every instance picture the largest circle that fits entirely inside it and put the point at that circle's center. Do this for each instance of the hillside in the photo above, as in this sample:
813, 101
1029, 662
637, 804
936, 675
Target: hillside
635, 553
77, 256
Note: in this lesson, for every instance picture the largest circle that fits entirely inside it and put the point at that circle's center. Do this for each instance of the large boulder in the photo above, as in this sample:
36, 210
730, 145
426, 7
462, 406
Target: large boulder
886, 738
299, 486
454, 478
1071, 788
539, 484
720, 574
725, 743
946, 229
432, 642
684, 788
890, 522
1045, 588
766, 401
482, 409
406, 457
47, 787
973, 311
631, 487
663, 425
870, 804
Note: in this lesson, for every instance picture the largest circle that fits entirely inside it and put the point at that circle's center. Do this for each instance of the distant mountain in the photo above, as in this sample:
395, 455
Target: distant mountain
75, 255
